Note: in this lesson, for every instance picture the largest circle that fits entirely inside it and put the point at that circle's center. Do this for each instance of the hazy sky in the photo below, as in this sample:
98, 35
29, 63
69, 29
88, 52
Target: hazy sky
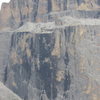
1, 1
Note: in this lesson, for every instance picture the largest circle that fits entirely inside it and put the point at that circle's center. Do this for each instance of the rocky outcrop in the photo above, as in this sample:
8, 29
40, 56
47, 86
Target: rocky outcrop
50, 49
53, 64
17, 12
6, 94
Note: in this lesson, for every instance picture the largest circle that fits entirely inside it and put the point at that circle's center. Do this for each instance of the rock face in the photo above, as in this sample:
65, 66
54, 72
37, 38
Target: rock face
17, 12
55, 64
57, 56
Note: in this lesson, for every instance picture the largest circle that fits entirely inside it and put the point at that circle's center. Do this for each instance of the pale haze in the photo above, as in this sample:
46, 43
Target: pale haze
1, 1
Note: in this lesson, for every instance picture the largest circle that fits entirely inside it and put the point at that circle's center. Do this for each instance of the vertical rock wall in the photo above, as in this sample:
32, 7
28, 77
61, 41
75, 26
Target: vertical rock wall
57, 60
54, 66
17, 12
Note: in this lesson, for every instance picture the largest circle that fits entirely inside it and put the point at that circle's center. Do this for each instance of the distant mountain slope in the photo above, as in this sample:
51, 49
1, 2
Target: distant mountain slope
7, 94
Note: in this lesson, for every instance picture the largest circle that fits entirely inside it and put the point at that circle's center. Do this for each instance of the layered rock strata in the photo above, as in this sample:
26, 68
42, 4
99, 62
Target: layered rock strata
17, 12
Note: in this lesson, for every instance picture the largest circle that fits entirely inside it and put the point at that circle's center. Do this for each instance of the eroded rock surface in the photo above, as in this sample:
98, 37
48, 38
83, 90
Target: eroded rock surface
17, 12
50, 49
54, 64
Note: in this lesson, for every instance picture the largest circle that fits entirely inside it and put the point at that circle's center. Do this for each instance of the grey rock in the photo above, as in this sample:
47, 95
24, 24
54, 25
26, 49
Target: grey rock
17, 12
58, 65
50, 49
6, 94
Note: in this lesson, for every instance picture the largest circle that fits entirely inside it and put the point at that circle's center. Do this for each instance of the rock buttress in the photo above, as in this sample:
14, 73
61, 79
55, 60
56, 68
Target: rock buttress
53, 66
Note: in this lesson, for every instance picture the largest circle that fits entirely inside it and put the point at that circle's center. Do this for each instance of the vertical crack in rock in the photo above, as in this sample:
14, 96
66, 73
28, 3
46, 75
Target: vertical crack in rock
46, 70
5, 74
49, 5
67, 82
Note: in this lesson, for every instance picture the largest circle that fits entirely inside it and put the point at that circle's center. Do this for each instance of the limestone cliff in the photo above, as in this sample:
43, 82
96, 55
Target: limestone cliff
50, 49
17, 12
58, 60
